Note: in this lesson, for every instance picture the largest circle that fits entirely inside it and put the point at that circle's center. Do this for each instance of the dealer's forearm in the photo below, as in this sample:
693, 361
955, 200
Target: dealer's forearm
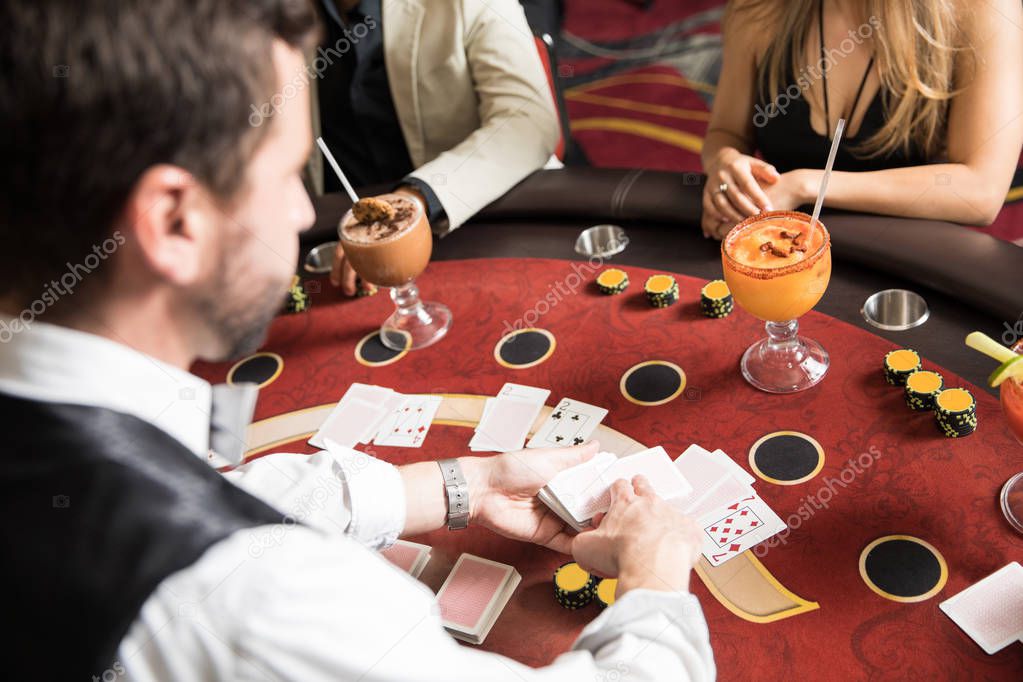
426, 502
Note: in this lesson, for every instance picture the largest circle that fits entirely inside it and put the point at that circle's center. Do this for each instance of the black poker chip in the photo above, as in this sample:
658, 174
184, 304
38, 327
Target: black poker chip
661, 291
605, 595
921, 388
574, 587
716, 299
955, 412
612, 281
899, 364
296, 300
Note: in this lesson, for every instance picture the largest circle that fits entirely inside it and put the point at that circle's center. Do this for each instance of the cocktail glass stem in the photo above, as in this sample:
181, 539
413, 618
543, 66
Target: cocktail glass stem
414, 323
784, 362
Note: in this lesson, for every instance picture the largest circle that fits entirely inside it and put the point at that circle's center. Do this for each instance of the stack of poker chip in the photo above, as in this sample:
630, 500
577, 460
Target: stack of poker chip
661, 290
716, 299
921, 387
297, 299
899, 364
363, 289
955, 411
605, 595
574, 587
612, 281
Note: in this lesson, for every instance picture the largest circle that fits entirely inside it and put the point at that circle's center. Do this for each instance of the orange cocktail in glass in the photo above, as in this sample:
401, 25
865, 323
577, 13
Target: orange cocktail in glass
778, 268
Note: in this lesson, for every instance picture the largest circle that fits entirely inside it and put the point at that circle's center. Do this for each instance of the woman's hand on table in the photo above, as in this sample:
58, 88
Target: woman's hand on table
503, 488
743, 177
641, 540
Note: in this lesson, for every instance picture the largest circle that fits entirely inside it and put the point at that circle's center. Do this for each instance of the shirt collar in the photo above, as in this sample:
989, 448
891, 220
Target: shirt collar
56, 364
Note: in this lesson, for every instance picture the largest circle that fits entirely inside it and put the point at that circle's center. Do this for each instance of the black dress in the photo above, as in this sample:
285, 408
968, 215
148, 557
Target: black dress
788, 141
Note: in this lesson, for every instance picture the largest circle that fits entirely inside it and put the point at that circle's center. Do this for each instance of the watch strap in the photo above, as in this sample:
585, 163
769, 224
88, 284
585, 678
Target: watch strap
457, 489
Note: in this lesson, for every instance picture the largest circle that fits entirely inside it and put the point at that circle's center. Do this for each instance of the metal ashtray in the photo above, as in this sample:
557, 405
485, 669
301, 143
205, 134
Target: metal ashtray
601, 241
321, 258
895, 310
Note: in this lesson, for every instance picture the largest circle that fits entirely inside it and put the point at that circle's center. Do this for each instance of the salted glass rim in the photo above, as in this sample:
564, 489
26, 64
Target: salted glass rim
771, 273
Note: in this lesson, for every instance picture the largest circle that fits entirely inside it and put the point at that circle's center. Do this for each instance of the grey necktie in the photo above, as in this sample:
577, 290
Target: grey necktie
230, 416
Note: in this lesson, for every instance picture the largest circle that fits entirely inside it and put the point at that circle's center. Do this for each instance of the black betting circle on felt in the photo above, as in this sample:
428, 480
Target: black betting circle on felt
524, 348
261, 369
786, 457
371, 351
903, 569
653, 383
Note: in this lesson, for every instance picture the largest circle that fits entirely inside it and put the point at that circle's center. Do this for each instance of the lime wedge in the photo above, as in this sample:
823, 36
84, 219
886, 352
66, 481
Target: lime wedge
1010, 368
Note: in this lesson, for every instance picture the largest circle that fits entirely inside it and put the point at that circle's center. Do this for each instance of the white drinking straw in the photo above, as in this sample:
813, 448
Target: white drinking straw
839, 129
337, 170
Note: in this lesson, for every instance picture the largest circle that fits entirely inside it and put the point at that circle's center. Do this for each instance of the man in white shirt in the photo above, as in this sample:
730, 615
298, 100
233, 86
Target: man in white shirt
170, 233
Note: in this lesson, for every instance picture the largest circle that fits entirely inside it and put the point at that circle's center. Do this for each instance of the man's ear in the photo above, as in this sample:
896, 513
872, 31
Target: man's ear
165, 215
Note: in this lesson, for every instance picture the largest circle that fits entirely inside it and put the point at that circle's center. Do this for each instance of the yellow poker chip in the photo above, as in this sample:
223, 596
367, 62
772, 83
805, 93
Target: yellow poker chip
612, 281
923, 381
658, 285
606, 591
716, 290
954, 400
571, 577
902, 360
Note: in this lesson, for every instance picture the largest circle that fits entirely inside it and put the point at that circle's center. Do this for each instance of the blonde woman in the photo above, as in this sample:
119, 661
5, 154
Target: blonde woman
932, 91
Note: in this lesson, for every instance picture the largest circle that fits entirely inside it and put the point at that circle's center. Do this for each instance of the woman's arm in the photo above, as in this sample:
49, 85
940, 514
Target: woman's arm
985, 134
728, 145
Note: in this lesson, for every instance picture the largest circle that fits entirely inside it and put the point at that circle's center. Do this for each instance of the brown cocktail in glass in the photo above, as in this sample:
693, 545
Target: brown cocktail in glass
392, 250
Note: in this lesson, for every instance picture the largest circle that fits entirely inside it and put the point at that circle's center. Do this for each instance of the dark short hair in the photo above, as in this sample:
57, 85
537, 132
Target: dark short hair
98, 91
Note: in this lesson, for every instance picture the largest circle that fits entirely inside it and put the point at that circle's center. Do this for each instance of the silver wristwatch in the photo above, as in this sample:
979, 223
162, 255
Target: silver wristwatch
457, 489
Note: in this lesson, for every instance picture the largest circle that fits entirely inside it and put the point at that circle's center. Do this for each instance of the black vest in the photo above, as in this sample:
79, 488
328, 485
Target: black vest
97, 508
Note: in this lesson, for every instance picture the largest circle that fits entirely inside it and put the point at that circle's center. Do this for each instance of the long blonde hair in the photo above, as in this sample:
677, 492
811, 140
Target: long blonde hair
916, 44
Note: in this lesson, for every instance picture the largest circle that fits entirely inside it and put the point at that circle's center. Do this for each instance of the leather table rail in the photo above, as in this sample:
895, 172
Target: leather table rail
971, 267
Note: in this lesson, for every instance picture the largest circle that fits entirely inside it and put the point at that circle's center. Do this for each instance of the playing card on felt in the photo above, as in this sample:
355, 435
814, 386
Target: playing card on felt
570, 423
731, 530
991, 610
407, 425
355, 417
530, 394
504, 424
473, 596
346, 425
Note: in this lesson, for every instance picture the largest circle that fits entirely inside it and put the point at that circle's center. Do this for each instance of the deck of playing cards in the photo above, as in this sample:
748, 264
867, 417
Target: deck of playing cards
373, 413
578, 493
410, 557
730, 514
991, 611
474, 595
507, 418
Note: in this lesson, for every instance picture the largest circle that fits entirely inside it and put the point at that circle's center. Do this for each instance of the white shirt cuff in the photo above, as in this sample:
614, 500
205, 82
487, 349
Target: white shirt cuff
374, 495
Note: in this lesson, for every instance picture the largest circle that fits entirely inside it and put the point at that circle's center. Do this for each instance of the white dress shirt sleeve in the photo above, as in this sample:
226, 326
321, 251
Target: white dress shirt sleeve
313, 607
342, 490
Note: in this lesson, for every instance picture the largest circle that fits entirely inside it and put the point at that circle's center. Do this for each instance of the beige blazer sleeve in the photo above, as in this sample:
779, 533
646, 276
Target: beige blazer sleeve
518, 127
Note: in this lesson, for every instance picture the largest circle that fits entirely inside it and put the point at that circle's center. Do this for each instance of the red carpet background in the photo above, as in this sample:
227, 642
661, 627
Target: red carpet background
640, 83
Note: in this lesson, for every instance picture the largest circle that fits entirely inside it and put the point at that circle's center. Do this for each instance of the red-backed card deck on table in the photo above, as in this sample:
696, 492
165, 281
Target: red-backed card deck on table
473, 596
991, 611
410, 557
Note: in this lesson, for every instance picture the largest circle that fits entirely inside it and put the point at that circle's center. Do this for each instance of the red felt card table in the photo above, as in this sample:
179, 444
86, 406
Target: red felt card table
886, 516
